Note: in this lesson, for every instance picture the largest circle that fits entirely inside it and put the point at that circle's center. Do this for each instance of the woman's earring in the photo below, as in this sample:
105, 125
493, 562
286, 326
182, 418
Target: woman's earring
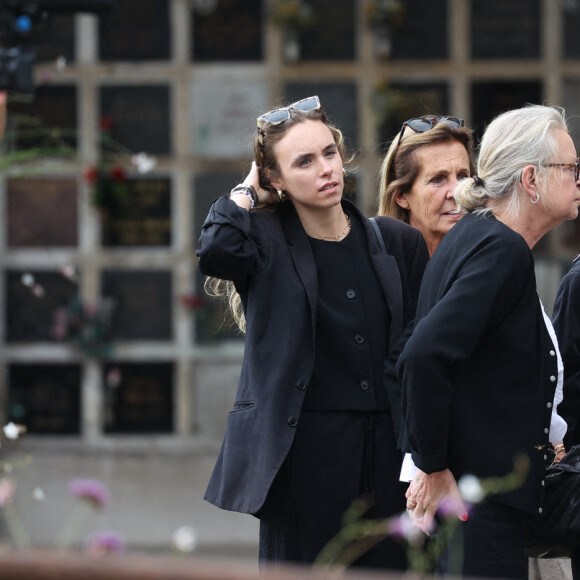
344, 171
537, 198
281, 195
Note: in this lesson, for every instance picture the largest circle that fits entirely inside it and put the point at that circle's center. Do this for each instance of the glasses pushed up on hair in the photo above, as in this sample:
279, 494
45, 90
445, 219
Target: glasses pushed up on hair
576, 167
278, 116
423, 124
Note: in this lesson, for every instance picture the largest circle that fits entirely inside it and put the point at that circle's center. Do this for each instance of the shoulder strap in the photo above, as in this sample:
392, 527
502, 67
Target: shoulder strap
379, 235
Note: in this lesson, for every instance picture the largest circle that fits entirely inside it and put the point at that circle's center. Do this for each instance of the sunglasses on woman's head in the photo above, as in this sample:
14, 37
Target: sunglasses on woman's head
423, 124
278, 116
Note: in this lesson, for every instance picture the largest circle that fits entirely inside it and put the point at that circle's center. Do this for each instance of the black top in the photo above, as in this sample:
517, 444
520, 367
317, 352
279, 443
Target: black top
352, 328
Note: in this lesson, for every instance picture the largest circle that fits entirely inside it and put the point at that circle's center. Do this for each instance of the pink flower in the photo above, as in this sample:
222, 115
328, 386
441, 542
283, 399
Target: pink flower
6, 491
114, 377
450, 507
102, 543
91, 490
403, 527
68, 271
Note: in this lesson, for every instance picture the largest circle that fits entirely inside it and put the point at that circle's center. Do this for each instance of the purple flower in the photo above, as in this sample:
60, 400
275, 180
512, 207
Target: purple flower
91, 490
103, 543
402, 526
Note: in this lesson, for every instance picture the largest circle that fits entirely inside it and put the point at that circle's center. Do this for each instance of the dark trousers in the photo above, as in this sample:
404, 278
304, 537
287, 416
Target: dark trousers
489, 545
337, 458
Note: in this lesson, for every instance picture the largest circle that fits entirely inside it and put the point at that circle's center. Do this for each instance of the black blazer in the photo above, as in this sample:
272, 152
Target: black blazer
566, 319
480, 370
268, 256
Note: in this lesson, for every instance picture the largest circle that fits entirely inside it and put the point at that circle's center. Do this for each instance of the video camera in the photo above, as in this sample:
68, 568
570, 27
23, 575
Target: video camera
18, 18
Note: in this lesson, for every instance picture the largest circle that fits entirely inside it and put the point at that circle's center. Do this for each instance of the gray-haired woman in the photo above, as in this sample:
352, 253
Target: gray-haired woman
480, 371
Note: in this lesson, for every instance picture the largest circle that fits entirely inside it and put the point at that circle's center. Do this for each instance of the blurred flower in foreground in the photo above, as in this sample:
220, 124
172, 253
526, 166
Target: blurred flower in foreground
6, 491
402, 526
185, 539
60, 63
91, 490
12, 431
470, 488
102, 543
27, 280
144, 163
114, 377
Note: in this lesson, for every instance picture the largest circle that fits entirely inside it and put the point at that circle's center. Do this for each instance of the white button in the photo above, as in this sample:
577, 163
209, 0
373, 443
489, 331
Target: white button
549, 405
546, 430
545, 457
543, 483
540, 510
552, 353
552, 378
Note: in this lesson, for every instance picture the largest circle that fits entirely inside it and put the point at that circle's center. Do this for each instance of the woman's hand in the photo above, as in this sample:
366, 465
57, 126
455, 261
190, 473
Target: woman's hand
428, 492
560, 451
253, 178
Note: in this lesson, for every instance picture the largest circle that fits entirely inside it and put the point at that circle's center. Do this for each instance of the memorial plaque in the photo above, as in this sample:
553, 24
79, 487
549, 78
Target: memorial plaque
571, 22
42, 212
32, 298
226, 30
491, 99
212, 319
55, 38
48, 123
224, 110
421, 31
396, 103
333, 35
144, 219
45, 398
338, 99
138, 398
501, 29
144, 303
139, 115
135, 30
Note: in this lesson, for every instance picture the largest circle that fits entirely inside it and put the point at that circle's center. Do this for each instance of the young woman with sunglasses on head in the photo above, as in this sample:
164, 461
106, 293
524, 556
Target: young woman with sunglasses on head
322, 305
480, 371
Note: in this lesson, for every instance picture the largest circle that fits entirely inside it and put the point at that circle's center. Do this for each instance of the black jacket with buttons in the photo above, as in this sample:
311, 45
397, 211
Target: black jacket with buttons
268, 256
479, 371
566, 321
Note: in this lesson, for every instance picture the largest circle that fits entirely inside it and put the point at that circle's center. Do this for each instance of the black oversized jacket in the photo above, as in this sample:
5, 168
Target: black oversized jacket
268, 256
566, 321
480, 370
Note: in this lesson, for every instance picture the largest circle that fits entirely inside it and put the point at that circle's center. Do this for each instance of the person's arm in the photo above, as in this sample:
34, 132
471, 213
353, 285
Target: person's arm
488, 285
230, 247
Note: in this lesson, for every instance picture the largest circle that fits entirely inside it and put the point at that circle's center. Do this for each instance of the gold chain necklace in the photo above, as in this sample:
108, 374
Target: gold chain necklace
338, 237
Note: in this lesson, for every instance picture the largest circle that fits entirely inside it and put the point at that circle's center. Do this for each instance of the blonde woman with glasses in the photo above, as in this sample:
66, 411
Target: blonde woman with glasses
323, 298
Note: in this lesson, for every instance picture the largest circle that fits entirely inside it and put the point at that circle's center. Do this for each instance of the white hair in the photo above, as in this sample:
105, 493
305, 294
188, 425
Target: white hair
512, 141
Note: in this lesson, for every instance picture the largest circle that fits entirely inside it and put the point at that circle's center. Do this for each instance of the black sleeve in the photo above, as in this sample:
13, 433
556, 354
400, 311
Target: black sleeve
566, 320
